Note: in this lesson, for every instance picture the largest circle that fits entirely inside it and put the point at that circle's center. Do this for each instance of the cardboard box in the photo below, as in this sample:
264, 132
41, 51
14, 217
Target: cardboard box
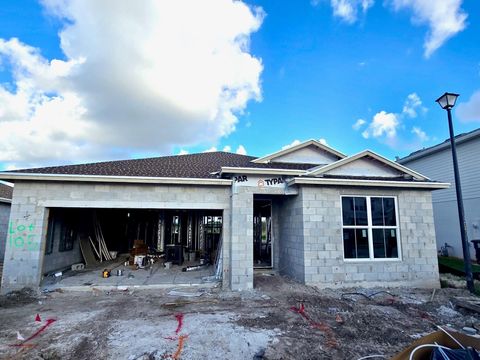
440, 338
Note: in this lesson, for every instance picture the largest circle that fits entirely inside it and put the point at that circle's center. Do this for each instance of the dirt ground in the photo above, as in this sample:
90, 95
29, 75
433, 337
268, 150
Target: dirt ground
280, 319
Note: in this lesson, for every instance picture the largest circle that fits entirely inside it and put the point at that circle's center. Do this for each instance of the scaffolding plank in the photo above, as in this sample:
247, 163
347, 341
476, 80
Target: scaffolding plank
87, 252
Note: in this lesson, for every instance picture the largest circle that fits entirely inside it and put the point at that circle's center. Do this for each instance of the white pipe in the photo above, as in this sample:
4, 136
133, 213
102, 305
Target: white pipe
424, 346
451, 336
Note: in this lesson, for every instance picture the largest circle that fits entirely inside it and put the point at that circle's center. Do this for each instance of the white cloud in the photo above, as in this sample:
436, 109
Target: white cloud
358, 124
469, 111
445, 19
383, 124
241, 150
347, 10
412, 104
212, 149
163, 74
293, 143
422, 135
227, 148
390, 128
183, 152
387, 124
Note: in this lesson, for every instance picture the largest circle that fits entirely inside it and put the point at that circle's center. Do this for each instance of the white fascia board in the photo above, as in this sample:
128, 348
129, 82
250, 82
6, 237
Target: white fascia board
260, 171
5, 200
267, 158
371, 183
114, 179
339, 163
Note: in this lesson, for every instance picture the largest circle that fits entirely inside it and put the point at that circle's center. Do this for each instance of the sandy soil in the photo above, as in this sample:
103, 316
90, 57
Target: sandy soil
278, 320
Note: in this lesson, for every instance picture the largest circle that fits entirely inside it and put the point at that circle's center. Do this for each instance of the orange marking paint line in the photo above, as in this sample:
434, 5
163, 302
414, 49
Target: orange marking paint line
181, 340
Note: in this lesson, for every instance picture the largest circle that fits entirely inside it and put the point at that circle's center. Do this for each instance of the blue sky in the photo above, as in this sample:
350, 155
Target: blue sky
89, 81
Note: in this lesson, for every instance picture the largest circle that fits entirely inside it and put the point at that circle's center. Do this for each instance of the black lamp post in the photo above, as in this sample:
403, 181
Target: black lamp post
447, 102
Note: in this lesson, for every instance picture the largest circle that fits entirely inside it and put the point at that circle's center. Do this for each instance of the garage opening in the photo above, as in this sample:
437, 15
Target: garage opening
149, 245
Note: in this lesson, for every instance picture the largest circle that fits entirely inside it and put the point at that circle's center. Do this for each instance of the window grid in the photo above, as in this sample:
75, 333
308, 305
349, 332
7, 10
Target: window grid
370, 229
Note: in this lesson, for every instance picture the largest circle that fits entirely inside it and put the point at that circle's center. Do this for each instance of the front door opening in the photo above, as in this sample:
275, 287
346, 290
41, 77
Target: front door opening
262, 234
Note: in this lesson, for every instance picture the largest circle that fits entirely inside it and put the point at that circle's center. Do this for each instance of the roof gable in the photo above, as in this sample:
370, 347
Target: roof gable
309, 152
366, 164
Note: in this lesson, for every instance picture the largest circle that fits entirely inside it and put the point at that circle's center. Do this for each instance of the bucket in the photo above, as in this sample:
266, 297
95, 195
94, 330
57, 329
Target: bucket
140, 260
119, 272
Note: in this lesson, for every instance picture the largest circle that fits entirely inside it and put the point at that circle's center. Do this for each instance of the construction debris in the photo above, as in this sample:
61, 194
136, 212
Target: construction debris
101, 250
121, 324
185, 293
468, 303
423, 348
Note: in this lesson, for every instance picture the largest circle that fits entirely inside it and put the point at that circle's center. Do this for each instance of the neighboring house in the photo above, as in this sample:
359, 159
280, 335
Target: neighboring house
436, 163
309, 212
5, 203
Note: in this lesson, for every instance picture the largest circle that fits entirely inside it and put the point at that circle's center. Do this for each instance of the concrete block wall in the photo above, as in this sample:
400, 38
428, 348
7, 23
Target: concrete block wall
241, 247
4, 217
323, 242
290, 238
59, 260
24, 255
241, 251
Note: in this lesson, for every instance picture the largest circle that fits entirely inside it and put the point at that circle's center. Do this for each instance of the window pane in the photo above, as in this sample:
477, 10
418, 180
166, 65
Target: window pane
377, 211
378, 243
362, 243
391, 243
50, 236
360, 211
349, 248
347, 210
389, 212
385, 243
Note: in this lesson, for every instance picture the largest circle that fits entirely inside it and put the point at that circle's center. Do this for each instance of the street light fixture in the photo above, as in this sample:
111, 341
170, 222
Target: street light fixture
447, 102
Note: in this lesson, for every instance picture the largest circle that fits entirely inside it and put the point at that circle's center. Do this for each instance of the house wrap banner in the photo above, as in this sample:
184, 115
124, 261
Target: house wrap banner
259, 181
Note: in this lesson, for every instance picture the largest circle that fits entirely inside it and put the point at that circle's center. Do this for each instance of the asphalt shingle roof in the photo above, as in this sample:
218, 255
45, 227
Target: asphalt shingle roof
6, 191
182, 166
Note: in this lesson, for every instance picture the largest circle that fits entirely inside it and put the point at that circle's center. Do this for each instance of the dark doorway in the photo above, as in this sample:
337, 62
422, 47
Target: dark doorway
262, 233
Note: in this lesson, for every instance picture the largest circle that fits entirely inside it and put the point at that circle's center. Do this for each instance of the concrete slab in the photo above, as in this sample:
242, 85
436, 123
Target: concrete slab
153, 276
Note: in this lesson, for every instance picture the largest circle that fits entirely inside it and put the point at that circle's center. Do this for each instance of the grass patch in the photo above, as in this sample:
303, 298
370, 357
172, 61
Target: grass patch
456, 267
456, 264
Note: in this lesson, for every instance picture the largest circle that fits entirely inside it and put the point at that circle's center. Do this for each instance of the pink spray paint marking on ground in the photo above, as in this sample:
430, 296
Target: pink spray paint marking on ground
179, 318
38, 332
330, 338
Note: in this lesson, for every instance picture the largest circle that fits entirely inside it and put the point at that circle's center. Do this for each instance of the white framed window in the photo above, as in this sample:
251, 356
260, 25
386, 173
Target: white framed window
370, 228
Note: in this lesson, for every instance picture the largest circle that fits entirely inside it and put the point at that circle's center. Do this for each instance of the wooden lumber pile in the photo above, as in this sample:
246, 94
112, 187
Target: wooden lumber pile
469, 303
100, 249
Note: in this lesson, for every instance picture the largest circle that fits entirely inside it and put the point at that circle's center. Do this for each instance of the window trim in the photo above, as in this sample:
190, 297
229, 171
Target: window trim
370, 228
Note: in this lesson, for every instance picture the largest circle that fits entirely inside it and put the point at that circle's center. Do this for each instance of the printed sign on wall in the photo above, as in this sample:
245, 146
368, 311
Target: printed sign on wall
259, 181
